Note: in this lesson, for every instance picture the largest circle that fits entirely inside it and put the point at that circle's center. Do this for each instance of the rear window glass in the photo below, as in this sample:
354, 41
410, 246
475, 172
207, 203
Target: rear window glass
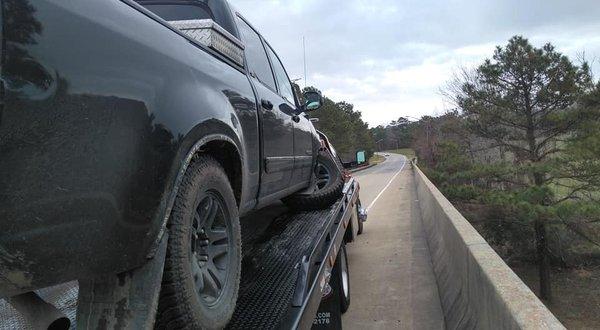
178, 12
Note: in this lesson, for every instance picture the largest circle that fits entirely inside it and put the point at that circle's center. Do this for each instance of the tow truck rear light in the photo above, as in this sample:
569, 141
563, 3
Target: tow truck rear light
212, 35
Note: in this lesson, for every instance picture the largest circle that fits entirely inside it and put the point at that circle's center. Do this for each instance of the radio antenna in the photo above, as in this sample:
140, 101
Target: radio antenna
304, 51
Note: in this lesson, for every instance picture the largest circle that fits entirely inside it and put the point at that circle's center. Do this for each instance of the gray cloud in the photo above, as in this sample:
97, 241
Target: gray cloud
390, 57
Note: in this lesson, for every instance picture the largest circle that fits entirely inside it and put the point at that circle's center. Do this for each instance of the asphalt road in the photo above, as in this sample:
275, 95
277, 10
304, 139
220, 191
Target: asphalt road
392, 284
377, 179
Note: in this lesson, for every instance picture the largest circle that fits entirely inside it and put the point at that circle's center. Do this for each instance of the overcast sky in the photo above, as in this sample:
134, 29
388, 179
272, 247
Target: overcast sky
390, 57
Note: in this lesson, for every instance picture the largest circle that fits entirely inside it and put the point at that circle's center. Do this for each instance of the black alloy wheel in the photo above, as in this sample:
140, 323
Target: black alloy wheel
323, 176
210, 246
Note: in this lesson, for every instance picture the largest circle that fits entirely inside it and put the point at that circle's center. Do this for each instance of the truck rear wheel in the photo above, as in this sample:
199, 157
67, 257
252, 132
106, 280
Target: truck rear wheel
344, 275
328, 189
202, 268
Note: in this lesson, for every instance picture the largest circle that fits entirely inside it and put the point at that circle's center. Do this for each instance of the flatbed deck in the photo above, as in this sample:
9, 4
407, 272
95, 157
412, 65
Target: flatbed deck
283, 269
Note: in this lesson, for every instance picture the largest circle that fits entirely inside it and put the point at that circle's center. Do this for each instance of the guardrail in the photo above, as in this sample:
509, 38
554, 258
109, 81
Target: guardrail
477, 289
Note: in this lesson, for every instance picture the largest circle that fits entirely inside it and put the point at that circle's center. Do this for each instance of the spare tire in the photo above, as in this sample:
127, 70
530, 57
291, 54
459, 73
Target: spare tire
328, 187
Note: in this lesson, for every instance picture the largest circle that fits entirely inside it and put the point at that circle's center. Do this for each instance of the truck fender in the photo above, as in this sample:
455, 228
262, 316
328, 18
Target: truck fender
170, 200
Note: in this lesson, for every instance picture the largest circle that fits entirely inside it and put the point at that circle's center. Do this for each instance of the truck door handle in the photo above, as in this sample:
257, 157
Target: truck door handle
266, 104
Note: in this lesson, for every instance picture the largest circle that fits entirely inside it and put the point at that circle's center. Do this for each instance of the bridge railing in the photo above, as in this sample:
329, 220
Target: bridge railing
477, 289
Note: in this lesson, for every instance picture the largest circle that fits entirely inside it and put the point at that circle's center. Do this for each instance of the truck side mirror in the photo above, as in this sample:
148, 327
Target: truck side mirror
312, 100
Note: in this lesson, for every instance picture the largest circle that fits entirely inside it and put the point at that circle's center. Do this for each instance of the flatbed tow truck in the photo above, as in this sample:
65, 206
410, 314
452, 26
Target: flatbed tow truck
294, 269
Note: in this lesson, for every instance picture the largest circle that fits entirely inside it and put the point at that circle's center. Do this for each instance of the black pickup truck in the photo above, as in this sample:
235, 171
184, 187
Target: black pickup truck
126, 122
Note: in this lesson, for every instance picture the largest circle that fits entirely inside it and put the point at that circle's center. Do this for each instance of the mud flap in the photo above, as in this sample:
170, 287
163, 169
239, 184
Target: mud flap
329, 315
125, 301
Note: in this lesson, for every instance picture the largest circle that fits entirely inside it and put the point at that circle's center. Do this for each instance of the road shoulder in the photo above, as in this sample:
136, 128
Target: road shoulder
392, 281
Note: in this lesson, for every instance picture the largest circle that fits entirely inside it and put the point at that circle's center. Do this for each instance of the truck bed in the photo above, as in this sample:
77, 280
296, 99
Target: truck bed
286, 258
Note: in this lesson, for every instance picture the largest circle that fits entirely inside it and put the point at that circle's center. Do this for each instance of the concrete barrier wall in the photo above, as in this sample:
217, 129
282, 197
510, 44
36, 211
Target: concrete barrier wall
477, 289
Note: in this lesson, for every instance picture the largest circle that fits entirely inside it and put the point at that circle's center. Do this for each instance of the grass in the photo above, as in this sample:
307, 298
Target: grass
408, 152
376, 159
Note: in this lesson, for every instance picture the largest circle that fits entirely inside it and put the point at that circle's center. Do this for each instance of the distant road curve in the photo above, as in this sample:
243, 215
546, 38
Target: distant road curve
375, 180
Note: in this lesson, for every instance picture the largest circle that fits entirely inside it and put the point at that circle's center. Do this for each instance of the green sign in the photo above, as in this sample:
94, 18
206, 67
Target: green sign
360, 157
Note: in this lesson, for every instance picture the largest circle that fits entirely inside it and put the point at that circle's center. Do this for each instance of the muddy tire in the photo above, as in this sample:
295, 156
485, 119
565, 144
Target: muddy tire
329, 186
202, 268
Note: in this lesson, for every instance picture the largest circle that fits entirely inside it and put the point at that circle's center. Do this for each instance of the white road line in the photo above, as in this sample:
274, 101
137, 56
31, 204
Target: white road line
389, 183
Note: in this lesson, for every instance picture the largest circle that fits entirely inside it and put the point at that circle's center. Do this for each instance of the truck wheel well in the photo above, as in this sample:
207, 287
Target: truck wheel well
229, 158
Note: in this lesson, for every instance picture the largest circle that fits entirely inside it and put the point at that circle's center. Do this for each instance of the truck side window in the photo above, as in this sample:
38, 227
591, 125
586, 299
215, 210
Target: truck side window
258, 64
285, 87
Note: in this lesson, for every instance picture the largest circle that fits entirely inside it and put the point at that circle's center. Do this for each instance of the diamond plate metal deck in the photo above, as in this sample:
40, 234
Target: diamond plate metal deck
270, 269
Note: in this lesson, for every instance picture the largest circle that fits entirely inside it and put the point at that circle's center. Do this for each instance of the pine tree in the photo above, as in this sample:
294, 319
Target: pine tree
526, 100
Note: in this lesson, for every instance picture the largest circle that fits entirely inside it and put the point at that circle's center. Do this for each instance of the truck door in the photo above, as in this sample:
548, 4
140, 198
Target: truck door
303, 142
304, 149
275, 118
